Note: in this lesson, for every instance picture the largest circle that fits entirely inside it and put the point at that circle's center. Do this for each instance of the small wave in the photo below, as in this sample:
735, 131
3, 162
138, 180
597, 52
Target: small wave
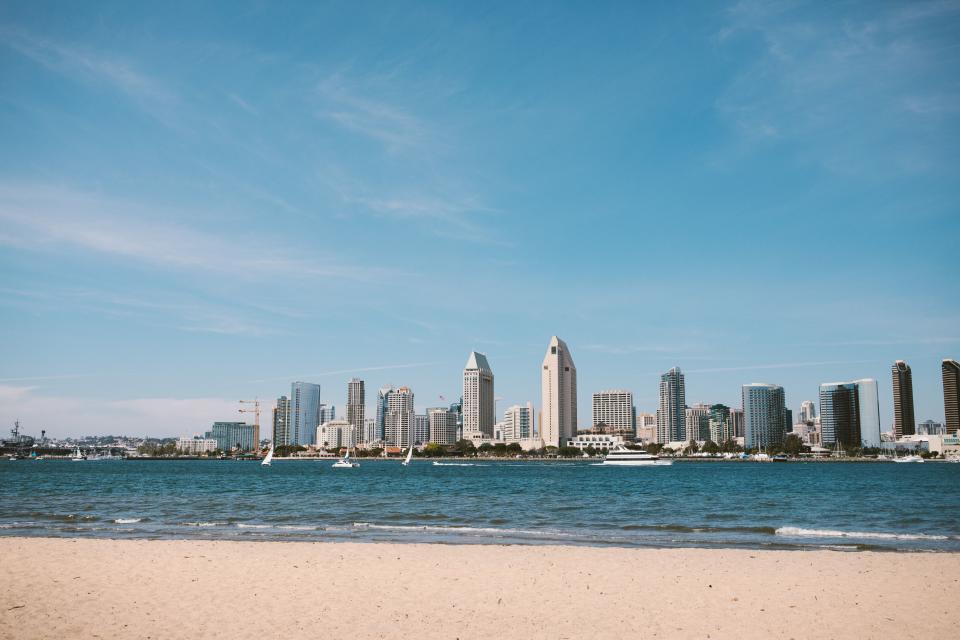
545, 533
241, 525
129, 520
798, 532
204, 524
679, 528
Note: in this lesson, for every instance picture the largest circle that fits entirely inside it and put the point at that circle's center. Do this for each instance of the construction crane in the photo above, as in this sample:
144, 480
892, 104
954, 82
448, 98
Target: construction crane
256, 420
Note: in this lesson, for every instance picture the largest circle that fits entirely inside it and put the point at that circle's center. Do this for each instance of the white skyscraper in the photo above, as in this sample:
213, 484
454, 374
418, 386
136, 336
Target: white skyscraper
421, 429
443, 425
808, 412
518, 423
614, 408
478, 399
558, 392
869, 412
400, 418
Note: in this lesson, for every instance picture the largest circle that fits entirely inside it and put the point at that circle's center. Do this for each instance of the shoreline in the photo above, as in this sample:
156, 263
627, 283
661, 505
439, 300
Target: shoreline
69, 587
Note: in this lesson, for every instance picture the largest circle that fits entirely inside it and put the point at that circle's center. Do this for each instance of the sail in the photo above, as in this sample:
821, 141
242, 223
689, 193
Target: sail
266, 461
409, 455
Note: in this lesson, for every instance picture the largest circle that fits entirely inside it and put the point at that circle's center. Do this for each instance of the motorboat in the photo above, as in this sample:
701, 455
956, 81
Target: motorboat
910, 458
623, 457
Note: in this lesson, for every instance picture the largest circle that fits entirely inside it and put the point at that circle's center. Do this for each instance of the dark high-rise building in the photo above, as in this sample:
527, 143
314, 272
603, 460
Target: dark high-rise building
951, 395
356, 399
281, 422
764, 415
840, 414
672, 414
904, 424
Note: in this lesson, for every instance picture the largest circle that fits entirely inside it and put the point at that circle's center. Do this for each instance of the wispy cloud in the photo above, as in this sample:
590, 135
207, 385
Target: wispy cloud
782, 365
43, 378
50, 218
383, 367
86, 64
887, 342
621, 350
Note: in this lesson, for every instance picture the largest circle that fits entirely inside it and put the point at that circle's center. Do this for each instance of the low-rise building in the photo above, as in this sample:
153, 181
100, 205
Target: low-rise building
196, 445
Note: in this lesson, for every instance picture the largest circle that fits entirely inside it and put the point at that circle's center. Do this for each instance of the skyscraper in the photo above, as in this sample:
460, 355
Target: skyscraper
443, 425
808, 411
328, 412
614, 408
558, 395
356, 399
764, 415
671, 416
839, 414
400, 418
304, 412
697, 422
421, 428
904, 424
281, 422
736, 422
951, 395
383, 404
478, 398
518, 423
719, 420
869, 410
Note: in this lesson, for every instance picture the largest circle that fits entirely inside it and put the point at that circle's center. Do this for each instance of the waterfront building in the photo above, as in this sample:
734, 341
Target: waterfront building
196, 445
951, 395
518, 423
369, 437
327, 413
599, 441
839, 414
868, 409
356, 407
383, 404
457, 408
478, 399
671, 416
736, 422
304, 412
558, 395
646, 427
718, 421
336, 434
765, 415
931, 428
281, 422
697, 422
234, 435
904, 423
399, 418
807, 411
443, 425
421, 428
614, 408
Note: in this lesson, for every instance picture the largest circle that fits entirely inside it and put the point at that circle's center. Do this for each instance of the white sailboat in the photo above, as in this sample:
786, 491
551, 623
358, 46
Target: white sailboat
345, 462
77, 456
409, 456
269, 459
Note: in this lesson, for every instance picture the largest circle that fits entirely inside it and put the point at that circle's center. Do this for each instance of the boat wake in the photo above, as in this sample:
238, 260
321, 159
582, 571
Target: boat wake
454, 464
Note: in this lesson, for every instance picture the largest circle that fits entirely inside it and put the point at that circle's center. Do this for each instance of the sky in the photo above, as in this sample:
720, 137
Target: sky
201, 204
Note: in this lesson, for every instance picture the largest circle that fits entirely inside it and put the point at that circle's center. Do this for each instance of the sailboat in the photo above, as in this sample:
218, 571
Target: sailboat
266, 461
345, 462
409, 456
77, 456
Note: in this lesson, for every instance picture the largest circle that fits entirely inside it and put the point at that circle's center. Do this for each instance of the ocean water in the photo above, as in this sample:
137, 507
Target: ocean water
690, 504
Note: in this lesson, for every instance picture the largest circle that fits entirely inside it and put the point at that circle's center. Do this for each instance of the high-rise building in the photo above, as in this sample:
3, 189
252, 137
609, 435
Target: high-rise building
558, 395
328, 412
672, 415
383, 405
719, 423
443, 425
518, 423
233, 435
281, 422
304, 412
457, 408
868, 409
421, 428
614, 408
478, 398
369, 432
764, 415
736, 422
400, 418
951, 395
697, 422
808, 411
931, 428
356, 399
904, 424
840, 414
646, 427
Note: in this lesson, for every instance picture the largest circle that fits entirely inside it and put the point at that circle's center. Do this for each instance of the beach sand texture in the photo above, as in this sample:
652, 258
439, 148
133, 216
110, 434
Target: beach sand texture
83, 588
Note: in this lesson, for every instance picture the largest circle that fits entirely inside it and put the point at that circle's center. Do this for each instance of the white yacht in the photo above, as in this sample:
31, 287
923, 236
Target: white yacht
623, 457
345, 463
77, 455
911, 458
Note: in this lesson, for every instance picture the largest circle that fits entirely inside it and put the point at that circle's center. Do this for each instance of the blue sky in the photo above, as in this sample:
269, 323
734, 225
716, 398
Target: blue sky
202, 204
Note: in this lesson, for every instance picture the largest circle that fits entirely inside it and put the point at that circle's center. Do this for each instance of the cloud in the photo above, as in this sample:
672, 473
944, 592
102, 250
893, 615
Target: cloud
378, 120
86, 64
785, 365
63, 416
42, 217
383, 367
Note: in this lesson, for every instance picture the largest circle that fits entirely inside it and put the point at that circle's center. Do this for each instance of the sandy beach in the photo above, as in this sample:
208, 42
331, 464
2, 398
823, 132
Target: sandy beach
82, 588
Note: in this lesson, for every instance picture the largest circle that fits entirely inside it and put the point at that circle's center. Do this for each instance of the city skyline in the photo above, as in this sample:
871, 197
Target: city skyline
223, 207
